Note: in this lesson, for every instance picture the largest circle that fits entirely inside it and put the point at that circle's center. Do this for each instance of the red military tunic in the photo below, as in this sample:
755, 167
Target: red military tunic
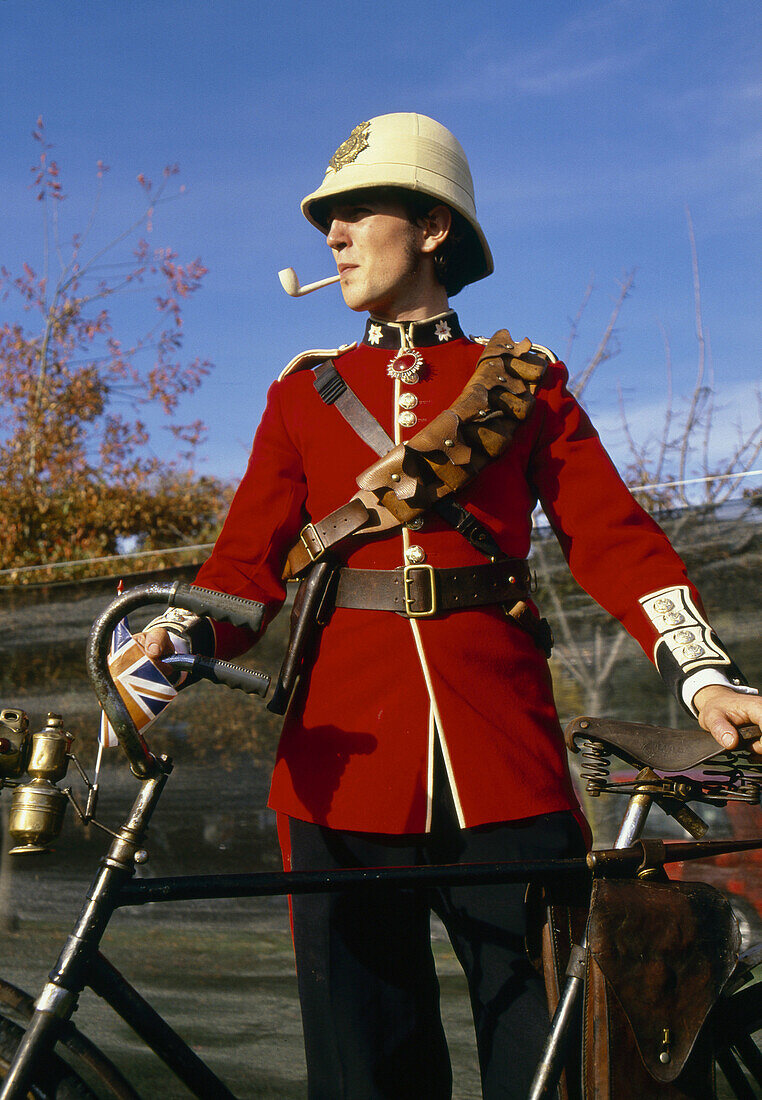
357, 746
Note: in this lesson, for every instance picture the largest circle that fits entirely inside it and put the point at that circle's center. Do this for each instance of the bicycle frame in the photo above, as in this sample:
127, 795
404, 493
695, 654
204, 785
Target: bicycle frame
81, 964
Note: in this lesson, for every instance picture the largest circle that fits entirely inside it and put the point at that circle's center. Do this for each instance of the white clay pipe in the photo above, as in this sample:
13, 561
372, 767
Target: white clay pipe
289, 280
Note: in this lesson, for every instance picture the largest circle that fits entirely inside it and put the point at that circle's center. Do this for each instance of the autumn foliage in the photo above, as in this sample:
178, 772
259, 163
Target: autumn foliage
77, 471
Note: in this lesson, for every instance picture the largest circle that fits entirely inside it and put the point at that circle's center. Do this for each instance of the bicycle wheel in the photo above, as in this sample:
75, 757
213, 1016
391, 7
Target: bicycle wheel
736, 1031
53, 1081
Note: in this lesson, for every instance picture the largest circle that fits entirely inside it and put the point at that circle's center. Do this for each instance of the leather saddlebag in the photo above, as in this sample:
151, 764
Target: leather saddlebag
659, 955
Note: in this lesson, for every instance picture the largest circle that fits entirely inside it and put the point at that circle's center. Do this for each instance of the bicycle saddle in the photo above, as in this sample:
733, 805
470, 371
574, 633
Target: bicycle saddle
658, 747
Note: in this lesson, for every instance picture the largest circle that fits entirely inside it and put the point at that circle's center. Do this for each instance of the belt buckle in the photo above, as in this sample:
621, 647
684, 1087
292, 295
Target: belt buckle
407, 581
310, 531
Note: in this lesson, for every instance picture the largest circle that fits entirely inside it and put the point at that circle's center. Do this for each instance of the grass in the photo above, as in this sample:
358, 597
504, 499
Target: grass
230, 992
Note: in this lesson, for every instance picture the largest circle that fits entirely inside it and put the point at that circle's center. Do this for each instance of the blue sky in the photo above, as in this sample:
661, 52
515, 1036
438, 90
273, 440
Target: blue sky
590, 127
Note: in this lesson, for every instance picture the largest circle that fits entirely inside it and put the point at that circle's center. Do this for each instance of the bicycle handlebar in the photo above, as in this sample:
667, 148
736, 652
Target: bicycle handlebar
201, 601
219, 672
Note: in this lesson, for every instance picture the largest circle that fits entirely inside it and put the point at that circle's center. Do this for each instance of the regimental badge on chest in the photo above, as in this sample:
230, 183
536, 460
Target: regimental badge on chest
407, 365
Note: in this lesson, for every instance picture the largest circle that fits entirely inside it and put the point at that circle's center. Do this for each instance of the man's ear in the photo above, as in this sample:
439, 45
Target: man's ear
435, 225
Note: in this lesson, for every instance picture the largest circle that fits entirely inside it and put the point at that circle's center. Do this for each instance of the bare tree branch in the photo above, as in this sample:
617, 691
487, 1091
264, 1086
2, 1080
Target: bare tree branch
604, 350
574, 325
699, 394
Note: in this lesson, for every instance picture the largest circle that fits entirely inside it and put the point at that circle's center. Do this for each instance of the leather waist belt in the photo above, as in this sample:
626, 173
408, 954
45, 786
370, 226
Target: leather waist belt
420, 591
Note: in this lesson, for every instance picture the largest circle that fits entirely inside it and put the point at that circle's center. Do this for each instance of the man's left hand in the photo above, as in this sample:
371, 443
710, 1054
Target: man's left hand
721, 711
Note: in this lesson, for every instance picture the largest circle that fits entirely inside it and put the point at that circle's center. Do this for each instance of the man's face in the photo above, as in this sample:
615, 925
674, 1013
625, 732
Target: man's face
378, 252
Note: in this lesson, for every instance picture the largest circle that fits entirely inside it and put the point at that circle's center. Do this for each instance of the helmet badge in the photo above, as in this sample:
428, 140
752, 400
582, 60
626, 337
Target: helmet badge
351, 148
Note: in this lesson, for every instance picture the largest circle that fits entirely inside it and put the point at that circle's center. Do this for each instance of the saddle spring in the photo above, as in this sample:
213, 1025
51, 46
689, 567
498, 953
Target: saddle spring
594, 766
737, 782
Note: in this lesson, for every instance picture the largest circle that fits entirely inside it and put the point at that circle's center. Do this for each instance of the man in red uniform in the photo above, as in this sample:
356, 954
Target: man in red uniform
425, 730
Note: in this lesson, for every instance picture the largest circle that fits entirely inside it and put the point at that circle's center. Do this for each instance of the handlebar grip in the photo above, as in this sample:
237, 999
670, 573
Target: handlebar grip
232, 609
220, 672
218, 605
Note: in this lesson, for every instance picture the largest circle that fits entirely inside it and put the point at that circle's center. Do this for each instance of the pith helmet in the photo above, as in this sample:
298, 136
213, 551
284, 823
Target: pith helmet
415, 153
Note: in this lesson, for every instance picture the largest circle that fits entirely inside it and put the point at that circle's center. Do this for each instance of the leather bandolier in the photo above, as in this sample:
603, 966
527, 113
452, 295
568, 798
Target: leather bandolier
408, 481
441, 459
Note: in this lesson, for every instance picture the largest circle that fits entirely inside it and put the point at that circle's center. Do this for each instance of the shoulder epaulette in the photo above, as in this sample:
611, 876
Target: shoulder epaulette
484, 340
545, 351
305, 360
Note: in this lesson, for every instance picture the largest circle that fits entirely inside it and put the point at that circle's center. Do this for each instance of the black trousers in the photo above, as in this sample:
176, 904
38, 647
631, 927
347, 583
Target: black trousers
367, 984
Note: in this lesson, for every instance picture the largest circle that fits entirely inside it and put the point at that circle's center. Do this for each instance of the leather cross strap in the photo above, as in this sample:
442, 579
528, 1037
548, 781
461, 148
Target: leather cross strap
441, 458
316, 538
420, 591
333, 390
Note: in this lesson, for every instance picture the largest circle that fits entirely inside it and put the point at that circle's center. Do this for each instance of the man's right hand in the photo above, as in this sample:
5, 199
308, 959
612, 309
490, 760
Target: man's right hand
721, 711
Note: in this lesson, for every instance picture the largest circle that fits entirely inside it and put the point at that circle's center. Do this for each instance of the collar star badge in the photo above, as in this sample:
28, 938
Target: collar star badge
443, 332
375, 332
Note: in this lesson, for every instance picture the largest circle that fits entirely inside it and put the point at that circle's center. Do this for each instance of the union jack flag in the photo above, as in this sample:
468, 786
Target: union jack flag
141, 684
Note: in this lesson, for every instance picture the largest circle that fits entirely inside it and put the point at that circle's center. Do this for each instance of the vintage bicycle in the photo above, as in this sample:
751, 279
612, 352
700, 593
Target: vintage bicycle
672, 977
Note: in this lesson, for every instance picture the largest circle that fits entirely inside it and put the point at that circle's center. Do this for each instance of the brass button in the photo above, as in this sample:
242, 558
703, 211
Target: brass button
408, 400
407, 419
415, 555
415, 524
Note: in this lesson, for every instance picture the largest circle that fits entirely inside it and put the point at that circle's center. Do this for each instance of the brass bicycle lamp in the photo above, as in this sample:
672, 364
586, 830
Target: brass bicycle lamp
37, 807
